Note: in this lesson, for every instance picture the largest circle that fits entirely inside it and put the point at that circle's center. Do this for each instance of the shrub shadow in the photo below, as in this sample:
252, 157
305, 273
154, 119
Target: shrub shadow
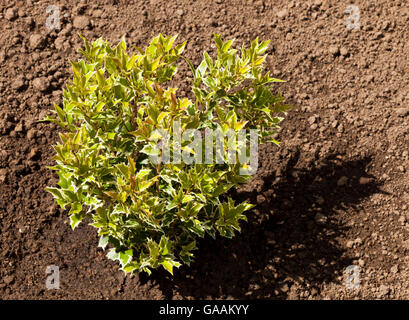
283, 242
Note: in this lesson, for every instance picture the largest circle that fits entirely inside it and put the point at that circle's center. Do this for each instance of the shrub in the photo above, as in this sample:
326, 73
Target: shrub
151, 212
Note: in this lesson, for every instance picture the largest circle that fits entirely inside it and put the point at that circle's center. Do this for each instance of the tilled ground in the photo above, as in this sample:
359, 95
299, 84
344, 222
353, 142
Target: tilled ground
335, 194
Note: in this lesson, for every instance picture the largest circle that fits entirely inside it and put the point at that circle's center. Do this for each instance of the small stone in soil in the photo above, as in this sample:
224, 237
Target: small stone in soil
320, 218
18, 83
395, 269
33, 153
342, 181
31, 134
3, 175
402, 112
8, 280
81, 22
384, 290
312, 119
41, 84
282, 13
364, 180
334, 50
36, 41
11, 14
344, 52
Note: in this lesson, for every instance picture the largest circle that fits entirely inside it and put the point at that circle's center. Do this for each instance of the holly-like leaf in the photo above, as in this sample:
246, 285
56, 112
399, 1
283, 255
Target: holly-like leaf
169, 264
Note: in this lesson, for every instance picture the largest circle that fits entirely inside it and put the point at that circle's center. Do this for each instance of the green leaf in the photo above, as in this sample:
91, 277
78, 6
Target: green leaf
75, 219
103, 241
125, 257
222, 188
76, 207
191, 66
201, 69
169, 264
209, 61
123, 169
151, 150
146, 184
55, 192
187, 198
112, 254
218, 41
143, 173
60, 112
226, 46
164, 246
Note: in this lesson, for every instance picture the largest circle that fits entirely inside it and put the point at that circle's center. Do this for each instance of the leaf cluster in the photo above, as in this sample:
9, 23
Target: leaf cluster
148, 213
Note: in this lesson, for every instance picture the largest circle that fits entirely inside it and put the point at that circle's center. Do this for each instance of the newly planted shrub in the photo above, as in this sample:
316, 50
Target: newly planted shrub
120, 120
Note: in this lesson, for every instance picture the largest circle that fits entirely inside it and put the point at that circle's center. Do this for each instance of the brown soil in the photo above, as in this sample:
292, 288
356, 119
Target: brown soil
335, 194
